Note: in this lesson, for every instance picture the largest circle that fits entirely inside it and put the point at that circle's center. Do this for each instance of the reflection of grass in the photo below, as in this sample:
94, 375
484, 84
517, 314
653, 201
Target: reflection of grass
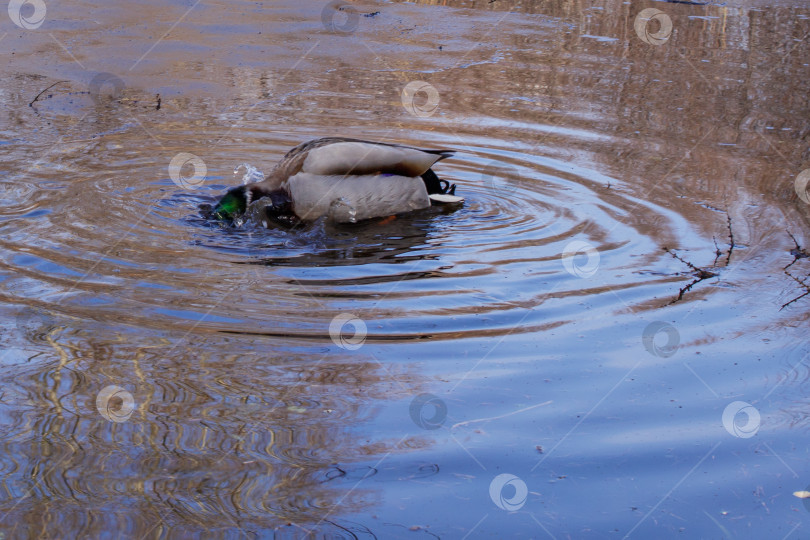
798, 253
699, 273
219, 442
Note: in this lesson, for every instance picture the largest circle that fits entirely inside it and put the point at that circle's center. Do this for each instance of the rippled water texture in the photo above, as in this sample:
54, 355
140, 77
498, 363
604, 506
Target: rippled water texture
608, 339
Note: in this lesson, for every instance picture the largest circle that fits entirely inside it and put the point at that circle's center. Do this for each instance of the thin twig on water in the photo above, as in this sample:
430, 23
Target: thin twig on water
51, 86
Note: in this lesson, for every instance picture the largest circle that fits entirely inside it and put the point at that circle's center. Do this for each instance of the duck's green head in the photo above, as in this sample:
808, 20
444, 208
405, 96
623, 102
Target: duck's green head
233, 203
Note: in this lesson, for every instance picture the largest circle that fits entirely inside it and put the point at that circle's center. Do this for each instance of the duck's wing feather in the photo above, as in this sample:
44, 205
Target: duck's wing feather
339, 156
344, 157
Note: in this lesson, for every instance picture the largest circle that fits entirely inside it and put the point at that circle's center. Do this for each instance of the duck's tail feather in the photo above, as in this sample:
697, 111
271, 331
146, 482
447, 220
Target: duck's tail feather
434, 184
444, 154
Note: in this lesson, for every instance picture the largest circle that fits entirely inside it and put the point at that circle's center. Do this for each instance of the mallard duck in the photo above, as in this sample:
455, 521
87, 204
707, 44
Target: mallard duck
348, 180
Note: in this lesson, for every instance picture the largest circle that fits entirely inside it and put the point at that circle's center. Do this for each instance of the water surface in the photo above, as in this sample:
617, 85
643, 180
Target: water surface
627, 268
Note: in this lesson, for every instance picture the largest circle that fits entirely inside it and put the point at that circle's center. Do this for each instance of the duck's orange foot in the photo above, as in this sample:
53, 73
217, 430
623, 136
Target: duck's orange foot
385, 221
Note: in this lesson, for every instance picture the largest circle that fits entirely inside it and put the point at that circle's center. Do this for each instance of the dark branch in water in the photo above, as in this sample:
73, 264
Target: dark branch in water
684, 290
51, 86
798, 247
687, 263
717, 251
730, 239
699, 274
363, 529
798, 253
794, 300
801, 282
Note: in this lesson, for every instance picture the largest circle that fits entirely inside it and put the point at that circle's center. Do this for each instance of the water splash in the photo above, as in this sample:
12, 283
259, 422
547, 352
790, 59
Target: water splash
251, 174
340, 211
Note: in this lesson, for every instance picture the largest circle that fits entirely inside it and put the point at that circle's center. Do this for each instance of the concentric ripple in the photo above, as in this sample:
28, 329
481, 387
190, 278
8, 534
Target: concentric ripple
140, 243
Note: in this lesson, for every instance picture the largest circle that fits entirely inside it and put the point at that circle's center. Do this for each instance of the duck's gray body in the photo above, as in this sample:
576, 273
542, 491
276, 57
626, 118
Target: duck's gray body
351, 180
355, 197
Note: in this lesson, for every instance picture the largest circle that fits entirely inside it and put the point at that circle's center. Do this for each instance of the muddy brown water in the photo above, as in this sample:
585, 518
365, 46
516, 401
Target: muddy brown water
607, 340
